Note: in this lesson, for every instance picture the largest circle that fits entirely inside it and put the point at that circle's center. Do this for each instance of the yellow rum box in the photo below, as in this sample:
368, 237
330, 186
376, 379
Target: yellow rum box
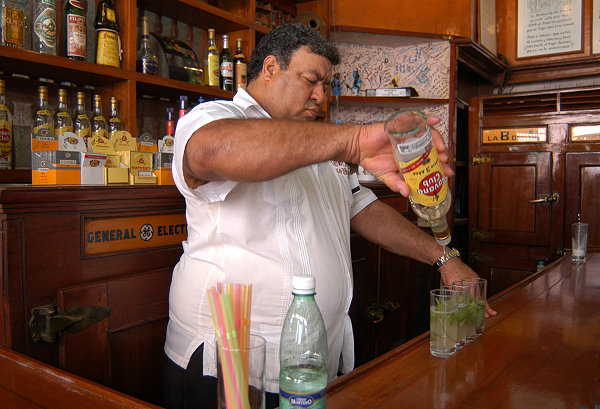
162, 168
140, 167
115, 172
55, 168
123, 141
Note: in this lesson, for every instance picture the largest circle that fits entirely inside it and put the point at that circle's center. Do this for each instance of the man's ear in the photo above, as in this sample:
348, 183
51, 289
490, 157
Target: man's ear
270, 67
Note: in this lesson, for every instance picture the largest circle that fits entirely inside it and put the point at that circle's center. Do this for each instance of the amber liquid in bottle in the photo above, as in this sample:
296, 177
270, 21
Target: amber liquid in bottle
99, 126
62, 120
42, 117
81, 123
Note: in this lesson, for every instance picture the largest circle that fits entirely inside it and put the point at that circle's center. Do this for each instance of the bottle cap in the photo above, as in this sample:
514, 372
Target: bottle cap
303, 283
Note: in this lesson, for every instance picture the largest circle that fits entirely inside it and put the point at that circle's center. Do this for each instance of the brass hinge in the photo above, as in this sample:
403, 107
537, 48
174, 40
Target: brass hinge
481, 235
480, 160
544, 198
376, 312
45, 324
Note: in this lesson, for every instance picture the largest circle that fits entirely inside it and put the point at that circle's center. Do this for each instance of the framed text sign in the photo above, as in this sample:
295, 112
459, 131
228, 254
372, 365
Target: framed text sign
547, 27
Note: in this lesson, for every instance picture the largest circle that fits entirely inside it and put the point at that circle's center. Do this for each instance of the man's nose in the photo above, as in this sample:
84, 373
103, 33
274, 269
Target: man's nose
318, 95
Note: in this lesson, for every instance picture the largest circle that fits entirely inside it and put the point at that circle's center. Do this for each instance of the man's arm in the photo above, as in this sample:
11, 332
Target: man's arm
262, 149
385, 227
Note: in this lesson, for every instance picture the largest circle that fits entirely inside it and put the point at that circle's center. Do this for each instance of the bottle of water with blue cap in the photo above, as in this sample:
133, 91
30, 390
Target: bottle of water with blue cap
303, 350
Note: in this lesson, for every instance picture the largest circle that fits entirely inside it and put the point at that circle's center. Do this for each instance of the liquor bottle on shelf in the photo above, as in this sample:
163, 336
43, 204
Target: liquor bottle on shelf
226, 66
13, 20
81, 122
183, 105
108, 44
42, 118
239, 66
303, 349
62, 119
114, 122
99, 126
44, 26
146, 59
6, 134
211, 61
421, 168
158, 26
74, 31
170, 122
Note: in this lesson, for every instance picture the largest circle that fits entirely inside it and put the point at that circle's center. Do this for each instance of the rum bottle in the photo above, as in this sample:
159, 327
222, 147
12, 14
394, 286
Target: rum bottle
42, 117
226, 66
303, 350
62, 120
13, 21
81, 122
170, 122
75, 31
99, 125
6, 134
44, 26
114, 122
108, 43
183, 105
419, 163
211, 61
239, 66
146, 60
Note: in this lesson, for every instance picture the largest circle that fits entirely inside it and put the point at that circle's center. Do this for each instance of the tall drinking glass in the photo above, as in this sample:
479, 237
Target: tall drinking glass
478, 290
443, 309
465, 322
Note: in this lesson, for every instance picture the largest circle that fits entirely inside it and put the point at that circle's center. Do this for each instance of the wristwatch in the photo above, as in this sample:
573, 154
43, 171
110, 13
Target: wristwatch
445, 257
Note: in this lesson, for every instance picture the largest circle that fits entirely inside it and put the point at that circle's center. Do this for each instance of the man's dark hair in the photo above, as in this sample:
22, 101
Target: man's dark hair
283, 41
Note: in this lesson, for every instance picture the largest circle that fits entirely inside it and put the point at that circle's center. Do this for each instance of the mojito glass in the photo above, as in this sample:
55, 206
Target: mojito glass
443, 323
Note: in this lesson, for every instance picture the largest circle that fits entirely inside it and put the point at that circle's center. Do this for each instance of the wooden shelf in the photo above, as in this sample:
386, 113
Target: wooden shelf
159, 87
351, 100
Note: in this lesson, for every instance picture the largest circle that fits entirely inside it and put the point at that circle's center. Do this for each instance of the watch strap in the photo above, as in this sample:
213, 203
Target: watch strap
445, 257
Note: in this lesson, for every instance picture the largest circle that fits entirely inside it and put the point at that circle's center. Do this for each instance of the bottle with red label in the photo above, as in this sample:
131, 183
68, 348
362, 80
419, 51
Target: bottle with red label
75, 30
419, 163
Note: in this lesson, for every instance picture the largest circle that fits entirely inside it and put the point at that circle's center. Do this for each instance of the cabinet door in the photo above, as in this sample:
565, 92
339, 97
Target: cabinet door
582, 175
505, 188
125, 350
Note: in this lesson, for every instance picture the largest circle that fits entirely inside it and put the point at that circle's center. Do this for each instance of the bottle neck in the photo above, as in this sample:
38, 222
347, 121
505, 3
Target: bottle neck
80, 108
62, 106
2, 99
43, 103
114, 112
97, 110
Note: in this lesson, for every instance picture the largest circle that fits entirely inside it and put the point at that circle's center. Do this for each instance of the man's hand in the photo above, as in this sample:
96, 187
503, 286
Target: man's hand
377, 156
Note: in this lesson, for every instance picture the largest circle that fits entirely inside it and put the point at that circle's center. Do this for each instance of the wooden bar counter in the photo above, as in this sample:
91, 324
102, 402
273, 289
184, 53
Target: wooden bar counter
542, 350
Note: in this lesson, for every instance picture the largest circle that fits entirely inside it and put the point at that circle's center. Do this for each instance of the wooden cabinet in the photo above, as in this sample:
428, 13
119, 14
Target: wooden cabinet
530, 175
112, 247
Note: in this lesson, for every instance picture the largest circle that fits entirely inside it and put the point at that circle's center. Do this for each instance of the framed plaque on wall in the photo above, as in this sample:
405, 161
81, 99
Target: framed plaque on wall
547, 27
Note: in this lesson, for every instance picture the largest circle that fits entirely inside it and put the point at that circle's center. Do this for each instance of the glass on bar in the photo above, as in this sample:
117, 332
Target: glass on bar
478, 290
443, 327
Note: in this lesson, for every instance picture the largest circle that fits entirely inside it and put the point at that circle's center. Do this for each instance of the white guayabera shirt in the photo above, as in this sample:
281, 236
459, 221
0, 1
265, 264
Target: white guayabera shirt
262, 233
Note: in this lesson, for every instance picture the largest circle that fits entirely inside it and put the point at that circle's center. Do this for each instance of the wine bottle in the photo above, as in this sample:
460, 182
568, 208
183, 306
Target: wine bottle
44, 26
211, 61
108, 49
62, 119
239, 66
75, 31
146, 61
42, 117
226, 66
6, 134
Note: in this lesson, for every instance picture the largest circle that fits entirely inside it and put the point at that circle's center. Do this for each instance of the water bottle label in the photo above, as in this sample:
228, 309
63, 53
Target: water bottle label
314, 400
426, 178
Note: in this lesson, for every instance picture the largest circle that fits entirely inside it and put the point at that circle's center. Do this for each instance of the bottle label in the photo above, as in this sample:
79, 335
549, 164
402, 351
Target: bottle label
84, 133
14, 26
425, 177
45, 126
227, 69
61, 130
76, 35
107, 48
111, 15
240, 75
76, 3
213, 70
149, 66
6, 144
314, 400
44, 27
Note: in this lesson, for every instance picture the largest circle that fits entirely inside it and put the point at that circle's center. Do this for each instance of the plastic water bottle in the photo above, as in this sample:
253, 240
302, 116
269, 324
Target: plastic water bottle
421, 168
303, 350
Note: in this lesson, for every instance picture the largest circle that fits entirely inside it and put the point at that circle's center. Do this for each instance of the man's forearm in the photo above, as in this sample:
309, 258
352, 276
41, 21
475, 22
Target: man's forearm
262, 149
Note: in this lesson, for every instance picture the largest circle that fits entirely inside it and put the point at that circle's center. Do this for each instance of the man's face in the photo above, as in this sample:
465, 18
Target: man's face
299, 91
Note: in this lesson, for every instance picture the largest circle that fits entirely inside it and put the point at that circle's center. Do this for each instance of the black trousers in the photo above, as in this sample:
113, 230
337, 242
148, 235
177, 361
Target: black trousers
190, 389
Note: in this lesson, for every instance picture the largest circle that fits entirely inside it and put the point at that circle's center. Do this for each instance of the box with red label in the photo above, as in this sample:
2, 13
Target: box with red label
162, 168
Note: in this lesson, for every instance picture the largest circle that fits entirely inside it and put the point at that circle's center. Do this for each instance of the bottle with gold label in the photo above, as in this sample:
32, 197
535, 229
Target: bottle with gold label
108, 43
99, 126
14, 23
43, 117
62, 120
211, 61
114, 122
6, 135
239, 66
81, 122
